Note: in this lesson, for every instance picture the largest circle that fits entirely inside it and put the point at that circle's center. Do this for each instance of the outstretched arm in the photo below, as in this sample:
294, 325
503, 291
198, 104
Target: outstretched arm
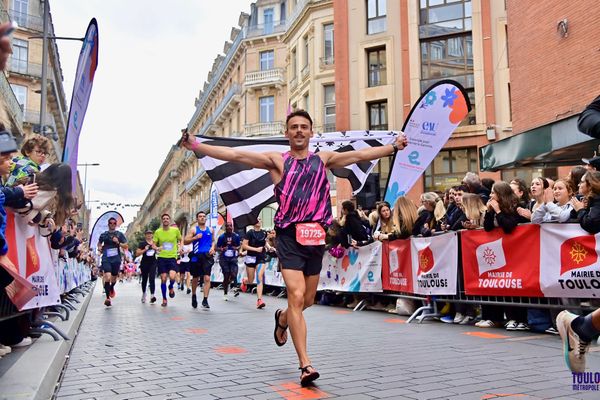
338, 160
252, 159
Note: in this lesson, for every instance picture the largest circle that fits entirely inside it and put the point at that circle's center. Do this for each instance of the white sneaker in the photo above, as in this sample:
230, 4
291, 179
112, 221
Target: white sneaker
486, 323
225, 297
522, 326
144, 298
458, 318
511, 325
23, 343
4, 350
574, 349
467, 320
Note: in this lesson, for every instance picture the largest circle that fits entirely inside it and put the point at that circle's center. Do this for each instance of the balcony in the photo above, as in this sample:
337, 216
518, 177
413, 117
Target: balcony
274, 76
296, 12
31, 22
208, 127
265, 129
326, 62
192, 184
25, 68
265, 29
12, 105
231, 99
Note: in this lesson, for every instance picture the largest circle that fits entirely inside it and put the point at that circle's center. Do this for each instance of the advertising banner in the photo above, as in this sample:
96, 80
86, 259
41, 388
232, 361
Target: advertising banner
397, 272
435, 264
358, 271
30, 253
498, 264
428, 127
101, 226
569, 264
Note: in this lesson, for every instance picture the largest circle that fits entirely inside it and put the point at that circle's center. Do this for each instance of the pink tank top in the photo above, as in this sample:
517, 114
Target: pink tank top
303, 192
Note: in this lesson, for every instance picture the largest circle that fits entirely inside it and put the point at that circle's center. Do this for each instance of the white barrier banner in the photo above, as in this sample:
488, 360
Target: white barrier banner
272, 276
30, 252
435, 264
569, 265
358, 271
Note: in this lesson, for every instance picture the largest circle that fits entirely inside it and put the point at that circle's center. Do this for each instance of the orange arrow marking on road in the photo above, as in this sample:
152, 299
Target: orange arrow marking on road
343, 312
177, 318
197, 331
394, 321
486, 335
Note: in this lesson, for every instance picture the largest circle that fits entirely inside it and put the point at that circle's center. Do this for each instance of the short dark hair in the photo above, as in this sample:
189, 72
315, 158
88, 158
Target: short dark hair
161, 217
299, 113
201, 212
348, 205
112, 219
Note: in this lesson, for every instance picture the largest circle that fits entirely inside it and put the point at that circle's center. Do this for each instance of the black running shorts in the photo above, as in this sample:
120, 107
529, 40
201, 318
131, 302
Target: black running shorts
293, 255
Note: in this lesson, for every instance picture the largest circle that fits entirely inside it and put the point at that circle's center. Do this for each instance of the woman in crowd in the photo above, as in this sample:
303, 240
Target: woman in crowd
537, 188
588, 209
386, 224
520, 188
560, 211
474, 211
353, 227
574, 179
404, 218
430, 217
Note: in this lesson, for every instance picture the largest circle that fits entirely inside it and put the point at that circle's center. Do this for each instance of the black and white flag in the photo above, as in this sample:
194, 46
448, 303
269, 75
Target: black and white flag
246, 191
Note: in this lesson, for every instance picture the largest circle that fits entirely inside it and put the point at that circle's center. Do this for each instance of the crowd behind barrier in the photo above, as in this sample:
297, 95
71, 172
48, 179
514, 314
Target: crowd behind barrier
51, 279
539, 266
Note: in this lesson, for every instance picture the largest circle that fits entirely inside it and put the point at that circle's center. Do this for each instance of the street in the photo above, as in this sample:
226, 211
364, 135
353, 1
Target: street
135, 350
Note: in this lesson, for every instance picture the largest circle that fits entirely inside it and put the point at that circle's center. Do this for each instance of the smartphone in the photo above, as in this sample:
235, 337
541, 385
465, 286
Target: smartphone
31, 179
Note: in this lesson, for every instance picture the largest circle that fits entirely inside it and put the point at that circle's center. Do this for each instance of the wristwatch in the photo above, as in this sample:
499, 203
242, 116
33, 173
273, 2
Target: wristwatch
395, 146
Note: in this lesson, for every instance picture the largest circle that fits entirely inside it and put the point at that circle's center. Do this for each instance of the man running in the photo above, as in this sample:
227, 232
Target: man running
302, 192
185, 278
254, 243
201, 257
147, 250
111, 242
168, 239
229, 244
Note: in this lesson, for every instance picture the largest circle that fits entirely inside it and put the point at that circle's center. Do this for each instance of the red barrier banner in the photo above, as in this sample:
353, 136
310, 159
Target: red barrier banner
569, 262
498, 264
435, 264
396, 266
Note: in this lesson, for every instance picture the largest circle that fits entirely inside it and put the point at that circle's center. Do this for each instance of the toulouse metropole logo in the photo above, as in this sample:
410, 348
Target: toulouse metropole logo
586, 381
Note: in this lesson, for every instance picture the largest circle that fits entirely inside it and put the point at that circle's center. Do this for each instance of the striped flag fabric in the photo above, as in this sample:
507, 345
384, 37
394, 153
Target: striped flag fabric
246, 191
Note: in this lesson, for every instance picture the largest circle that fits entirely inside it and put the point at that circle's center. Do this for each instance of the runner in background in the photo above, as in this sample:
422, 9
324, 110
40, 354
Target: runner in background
228, 245
254, 243
147, 250
168, 239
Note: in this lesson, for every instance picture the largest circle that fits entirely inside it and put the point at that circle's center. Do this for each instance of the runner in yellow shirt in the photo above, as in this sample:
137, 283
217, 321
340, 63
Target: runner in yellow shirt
168, 240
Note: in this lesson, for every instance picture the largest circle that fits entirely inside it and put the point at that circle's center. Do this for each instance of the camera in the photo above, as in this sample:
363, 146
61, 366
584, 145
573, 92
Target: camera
8, 143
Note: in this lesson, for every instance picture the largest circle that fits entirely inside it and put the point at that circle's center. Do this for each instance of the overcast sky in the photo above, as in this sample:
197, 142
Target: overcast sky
154, 57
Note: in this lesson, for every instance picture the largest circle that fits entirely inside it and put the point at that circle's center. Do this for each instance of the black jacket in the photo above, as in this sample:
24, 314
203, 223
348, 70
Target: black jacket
355, 228
589, 119
589, 218
507, 221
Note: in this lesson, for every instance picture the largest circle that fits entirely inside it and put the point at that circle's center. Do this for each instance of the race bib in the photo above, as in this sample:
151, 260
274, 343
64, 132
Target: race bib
167, 246
250, 260
150, 252
112, 252
310, 234
230, 253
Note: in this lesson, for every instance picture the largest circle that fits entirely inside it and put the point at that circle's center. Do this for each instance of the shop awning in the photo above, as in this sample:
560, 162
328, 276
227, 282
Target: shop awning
552, 145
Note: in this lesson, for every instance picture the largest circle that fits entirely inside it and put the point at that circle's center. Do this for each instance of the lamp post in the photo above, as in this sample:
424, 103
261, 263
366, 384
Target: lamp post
85, 185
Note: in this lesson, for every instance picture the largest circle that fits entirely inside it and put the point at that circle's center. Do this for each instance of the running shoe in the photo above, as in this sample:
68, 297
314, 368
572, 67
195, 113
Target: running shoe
107, 303
112, 293
225, 297
511, 325
574, 348
194, 301
152, 300
189, 291
458, 317
447, 319
244, 285
205, 304
236, 292
171, 292
144, 298
260, 304
164, 303
522, 326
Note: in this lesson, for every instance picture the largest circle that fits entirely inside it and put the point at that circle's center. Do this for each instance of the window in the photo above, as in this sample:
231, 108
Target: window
19, 59
329, 108
267, 108
447, 46
294, 63
305, 41
306, 101
267, 60
377, 72
328, 44
268, 21
449, 168
21, 8
282, 11
378, 116
21, 94
376, 16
